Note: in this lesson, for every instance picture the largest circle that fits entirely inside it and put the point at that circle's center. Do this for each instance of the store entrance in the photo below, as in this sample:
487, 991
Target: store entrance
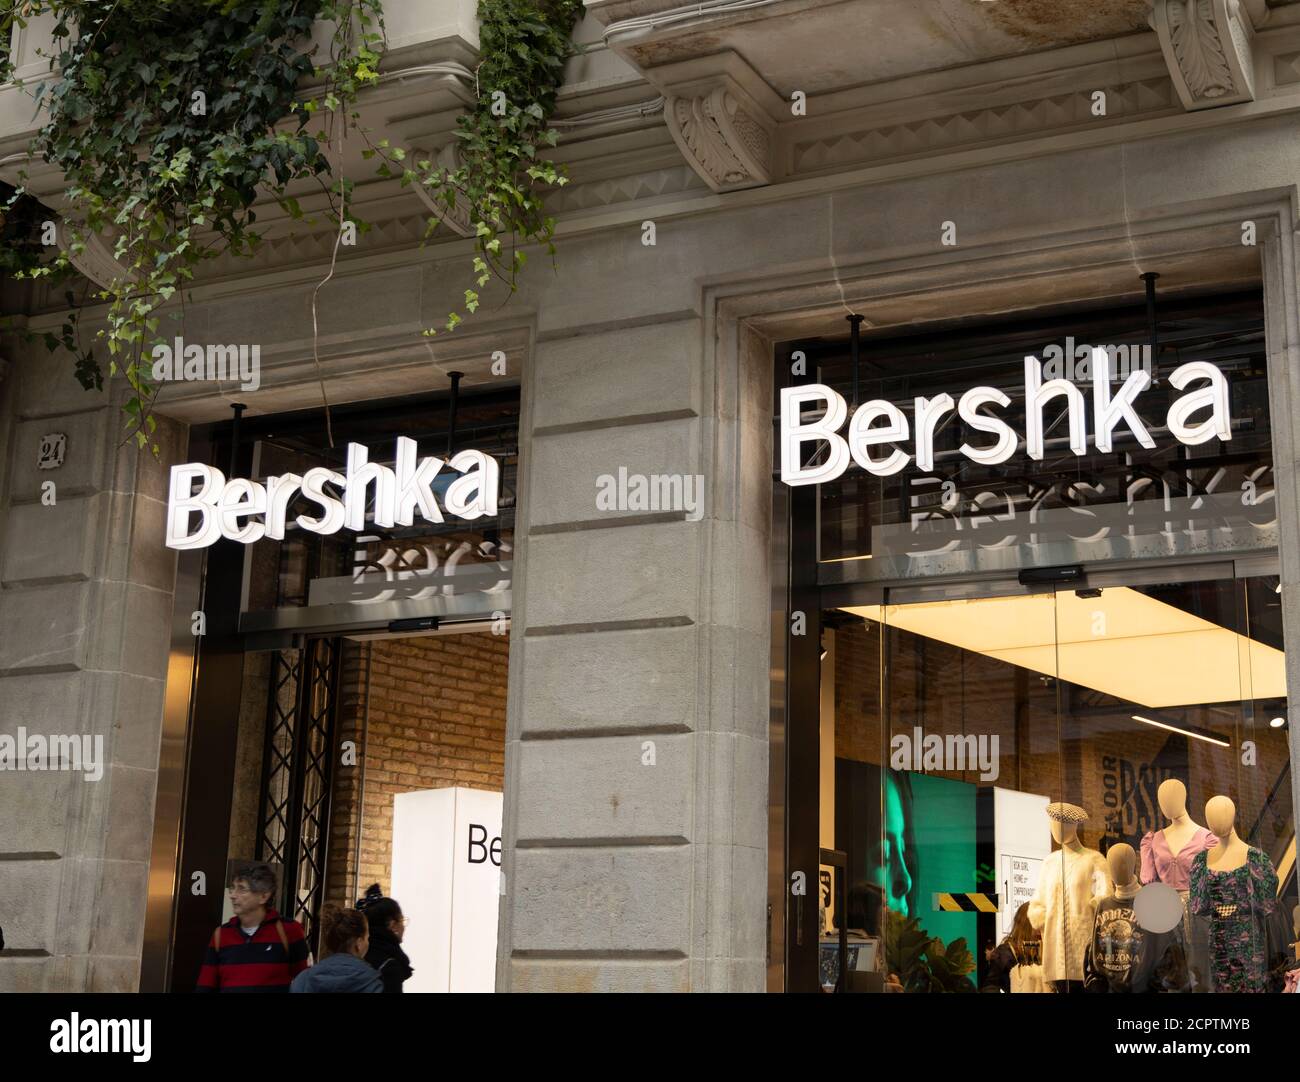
342, 719
961, 728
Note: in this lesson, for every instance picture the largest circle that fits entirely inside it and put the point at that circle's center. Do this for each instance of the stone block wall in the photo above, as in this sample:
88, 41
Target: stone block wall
85, 624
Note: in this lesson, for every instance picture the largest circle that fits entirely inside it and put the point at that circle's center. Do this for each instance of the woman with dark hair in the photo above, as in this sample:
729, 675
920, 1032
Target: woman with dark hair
344, 940
387, 927
1016, 964
874, 824
893, 862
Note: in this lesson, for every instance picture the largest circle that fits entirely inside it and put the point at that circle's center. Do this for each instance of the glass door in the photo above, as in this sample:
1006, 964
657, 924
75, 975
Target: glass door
1003, 769
942, 720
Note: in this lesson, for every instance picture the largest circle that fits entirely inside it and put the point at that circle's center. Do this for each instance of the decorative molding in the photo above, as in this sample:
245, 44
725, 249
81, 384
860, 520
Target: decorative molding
625, 189
993, 124
95, 258
394, 229
1286, 69
457, 217
723, 118
1207, 47
727, 142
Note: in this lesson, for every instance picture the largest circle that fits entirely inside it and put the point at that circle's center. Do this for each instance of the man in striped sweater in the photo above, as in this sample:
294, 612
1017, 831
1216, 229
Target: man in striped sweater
257, 950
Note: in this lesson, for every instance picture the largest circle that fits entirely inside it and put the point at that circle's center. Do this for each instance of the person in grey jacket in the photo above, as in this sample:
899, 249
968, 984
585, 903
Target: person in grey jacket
344, 938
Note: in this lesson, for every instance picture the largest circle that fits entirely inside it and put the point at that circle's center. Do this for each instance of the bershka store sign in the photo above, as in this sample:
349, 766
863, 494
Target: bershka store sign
243, 510
1199, 415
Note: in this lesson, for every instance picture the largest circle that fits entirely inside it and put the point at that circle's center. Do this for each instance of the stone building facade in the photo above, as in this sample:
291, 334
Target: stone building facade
771, 223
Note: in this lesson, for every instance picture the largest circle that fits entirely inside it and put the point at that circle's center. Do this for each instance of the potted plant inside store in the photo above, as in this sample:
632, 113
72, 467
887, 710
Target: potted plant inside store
921, 961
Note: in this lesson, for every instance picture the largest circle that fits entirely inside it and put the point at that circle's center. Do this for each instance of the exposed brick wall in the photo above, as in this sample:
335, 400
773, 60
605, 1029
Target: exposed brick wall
437, 719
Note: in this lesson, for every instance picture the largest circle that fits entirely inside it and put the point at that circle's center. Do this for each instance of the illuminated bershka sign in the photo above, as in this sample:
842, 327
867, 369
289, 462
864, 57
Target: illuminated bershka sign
247, 511
1200, 414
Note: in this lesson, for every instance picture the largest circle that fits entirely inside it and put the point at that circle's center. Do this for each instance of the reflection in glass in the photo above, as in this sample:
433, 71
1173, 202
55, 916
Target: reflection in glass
955, 723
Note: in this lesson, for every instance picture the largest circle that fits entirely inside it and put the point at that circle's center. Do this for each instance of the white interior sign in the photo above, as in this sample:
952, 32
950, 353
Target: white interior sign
866, 430
247, 511
1021, 842
447, 879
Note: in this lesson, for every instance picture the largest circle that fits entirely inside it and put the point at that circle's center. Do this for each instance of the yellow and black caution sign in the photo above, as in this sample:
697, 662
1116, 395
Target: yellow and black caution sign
966, 903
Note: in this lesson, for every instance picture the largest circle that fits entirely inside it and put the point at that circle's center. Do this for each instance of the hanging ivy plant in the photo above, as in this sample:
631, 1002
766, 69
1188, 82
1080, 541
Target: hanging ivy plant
171, 119
502, 178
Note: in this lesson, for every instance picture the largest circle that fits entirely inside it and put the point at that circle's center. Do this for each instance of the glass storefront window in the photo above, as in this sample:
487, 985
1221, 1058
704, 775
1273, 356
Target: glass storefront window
1010, 772
1075, 781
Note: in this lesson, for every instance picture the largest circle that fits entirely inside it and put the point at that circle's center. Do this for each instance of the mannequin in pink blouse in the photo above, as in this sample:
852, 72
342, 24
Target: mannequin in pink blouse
1167, 854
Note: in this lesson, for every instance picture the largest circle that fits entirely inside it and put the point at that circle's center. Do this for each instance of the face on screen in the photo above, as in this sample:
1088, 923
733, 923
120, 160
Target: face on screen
890, 865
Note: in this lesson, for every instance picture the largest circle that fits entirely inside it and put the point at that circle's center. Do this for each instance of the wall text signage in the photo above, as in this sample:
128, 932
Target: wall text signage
1199, 415
247, 511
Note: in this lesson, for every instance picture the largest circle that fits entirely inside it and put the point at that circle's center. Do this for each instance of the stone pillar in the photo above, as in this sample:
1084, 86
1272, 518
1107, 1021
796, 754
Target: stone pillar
85, 608
636, 755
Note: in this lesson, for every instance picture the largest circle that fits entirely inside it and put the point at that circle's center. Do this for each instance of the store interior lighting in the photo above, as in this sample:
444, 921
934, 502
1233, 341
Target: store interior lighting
1123, 643
1184, 731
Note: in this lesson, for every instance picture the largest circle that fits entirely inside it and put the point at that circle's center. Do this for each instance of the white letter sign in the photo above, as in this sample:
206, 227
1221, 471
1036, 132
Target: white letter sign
244, 510
1109, 413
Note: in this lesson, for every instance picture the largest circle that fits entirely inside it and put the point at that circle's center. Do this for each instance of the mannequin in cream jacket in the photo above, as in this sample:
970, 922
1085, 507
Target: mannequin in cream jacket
1073, 880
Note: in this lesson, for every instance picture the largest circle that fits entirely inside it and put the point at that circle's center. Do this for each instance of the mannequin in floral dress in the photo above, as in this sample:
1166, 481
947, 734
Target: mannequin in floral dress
1233, 886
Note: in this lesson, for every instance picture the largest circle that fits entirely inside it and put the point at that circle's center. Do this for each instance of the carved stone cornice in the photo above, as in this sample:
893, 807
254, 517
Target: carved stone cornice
843, 144
456, 217
725, 141
723, 118
1207, 46
90, 253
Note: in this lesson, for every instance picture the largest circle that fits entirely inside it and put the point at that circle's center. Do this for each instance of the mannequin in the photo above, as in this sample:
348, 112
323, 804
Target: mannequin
1121, 862
1230, 852
1167, 854
1234, 888
1073, 881
1123, 956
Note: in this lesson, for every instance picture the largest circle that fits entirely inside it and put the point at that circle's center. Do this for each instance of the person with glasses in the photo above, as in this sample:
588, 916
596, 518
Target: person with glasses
257, 950
387, 927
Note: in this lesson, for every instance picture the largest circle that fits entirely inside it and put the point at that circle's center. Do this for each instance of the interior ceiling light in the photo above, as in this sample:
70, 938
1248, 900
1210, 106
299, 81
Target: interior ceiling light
1179, 729
1123, 643
1277, 723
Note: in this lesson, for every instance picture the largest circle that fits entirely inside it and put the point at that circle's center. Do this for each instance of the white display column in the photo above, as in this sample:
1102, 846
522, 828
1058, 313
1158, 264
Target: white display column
447, 879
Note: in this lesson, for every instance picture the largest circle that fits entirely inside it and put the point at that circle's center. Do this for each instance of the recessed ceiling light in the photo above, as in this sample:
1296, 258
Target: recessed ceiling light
1277, 723
1124, 643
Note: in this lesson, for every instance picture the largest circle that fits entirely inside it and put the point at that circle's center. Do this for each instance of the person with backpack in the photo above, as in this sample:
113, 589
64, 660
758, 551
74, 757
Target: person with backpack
257, 950
387, 927
344, 940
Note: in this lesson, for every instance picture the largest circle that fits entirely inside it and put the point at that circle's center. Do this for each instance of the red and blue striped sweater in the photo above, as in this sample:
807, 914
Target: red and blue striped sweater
266, 961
